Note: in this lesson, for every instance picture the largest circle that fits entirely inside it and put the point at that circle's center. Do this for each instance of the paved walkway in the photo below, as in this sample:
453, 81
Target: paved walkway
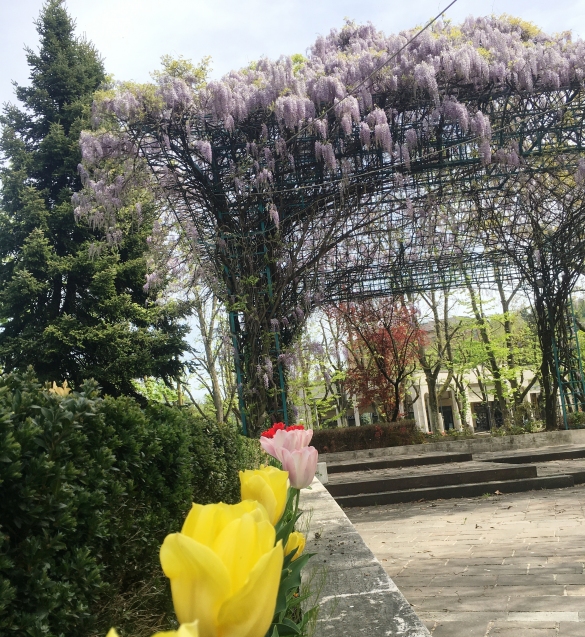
550, 468
424, 470
511, 565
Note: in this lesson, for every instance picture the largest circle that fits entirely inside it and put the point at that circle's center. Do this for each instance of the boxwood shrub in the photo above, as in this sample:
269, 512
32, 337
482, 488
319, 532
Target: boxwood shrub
89, 488
403, 432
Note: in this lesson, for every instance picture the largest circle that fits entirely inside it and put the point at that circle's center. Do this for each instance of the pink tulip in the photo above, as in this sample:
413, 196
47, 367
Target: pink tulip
292, 440
301, 465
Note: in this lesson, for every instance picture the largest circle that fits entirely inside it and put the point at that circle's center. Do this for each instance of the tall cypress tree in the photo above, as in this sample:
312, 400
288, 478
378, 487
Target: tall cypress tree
69, 315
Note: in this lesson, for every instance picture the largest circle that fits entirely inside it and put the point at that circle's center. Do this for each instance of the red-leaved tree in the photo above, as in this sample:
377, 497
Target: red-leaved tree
383, 338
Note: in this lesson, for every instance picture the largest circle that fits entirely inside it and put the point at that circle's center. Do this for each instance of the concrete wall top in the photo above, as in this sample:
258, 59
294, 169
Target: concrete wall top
354, 594
477, 444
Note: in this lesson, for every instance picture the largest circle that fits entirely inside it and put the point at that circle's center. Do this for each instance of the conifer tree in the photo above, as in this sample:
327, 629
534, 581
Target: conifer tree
68, 313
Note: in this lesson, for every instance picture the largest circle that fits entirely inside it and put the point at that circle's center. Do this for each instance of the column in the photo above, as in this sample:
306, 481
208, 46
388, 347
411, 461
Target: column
456, 414
356, 412
468, 416
420, 414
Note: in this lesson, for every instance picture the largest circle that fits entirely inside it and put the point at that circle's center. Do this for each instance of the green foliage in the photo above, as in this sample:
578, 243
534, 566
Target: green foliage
404, 432
69, 315
451, 434
289, 618
155, 390
576, 420
90, 487
185, 69
298, 61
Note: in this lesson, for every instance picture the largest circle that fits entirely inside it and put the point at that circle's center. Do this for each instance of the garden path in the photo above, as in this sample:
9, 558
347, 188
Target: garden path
506, 566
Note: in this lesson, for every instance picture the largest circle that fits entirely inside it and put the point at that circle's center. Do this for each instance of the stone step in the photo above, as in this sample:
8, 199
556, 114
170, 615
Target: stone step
567, 468
456, 491
578, 476
539, 456
405, 482
407, 461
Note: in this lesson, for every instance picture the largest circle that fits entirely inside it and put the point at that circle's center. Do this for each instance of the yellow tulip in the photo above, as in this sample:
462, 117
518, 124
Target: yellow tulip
224, 569
186, 630
60, 391
297, 541
267, 485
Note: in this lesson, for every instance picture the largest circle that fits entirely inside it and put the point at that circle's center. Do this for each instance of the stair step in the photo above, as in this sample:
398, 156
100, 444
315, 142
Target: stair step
456, 491
403, 483
407, 461
578, 476
539, 456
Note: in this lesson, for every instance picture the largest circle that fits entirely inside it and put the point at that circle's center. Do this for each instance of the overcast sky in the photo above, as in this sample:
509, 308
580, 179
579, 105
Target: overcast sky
132, 35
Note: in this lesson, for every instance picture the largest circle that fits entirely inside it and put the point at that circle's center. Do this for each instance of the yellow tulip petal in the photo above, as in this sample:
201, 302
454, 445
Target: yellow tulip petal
297, 541
257, 510
241, 544
255, 487
112, 632
192, 519
185, 630
188, 630
205, 522
277, 481
249, 612
200, 582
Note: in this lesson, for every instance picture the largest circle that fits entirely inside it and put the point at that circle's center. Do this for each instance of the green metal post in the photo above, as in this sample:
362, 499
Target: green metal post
238, 367
277, 348
578, 348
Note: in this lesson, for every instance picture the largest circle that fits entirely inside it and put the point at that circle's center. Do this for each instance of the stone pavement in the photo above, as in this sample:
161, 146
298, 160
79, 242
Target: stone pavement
425, 470
506, 566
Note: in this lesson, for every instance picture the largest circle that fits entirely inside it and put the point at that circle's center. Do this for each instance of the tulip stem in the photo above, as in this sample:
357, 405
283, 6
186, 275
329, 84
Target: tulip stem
297, 497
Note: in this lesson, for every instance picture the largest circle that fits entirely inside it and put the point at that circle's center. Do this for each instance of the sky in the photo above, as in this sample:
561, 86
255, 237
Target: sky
132, 35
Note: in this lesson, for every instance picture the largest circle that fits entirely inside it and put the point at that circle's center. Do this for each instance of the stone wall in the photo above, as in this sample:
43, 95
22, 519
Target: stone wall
354, 594
476, 445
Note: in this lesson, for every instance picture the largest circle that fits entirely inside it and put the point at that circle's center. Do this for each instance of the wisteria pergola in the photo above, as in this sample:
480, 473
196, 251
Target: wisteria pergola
357, 171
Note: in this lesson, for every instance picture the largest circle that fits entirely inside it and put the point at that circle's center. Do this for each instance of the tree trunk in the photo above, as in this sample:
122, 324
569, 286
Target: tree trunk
396, 407
207, 334
493, 363
547, 367
509, 348
434, 420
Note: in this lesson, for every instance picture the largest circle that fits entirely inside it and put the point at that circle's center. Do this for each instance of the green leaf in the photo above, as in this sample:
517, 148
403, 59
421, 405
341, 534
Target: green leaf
288, 627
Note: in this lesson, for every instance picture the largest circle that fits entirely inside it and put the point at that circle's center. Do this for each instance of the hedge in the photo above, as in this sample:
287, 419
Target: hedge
90, 487
403, 432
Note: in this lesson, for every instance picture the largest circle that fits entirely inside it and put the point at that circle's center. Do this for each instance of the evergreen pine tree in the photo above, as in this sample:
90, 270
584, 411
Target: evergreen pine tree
69, 315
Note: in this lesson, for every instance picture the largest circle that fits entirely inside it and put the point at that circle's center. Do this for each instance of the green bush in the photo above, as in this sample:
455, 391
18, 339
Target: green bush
397, 434
576, 420
449, 435
90, 487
